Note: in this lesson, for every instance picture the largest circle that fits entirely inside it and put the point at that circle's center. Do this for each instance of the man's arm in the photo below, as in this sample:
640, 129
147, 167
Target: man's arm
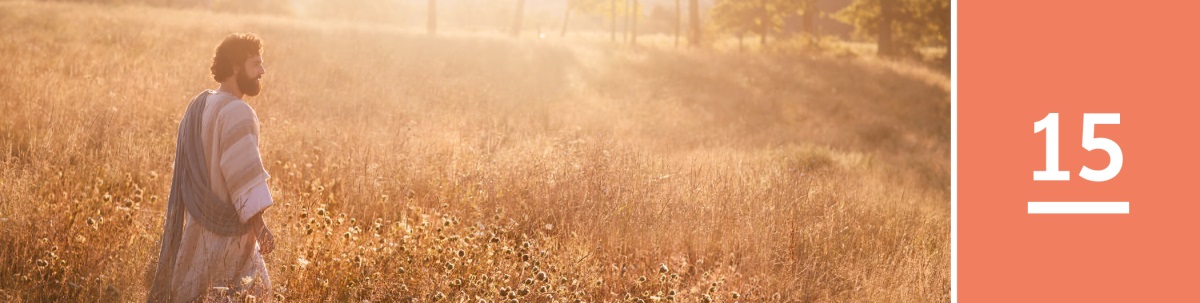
256, 202
266, 240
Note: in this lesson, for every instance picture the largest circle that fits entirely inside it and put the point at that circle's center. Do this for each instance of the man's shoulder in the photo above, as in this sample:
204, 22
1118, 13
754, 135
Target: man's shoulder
232, 108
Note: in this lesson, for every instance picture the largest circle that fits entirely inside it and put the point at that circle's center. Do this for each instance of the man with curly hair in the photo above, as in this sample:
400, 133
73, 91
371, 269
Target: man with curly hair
214, 236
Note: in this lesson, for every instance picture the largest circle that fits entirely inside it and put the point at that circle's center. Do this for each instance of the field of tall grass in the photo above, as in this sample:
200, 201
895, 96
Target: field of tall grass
471, 167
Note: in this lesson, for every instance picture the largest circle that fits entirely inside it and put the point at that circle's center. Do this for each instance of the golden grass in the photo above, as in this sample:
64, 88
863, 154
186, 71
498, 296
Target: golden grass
471, 167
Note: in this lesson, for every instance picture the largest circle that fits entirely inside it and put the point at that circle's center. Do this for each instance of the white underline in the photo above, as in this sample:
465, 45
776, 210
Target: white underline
1079, 207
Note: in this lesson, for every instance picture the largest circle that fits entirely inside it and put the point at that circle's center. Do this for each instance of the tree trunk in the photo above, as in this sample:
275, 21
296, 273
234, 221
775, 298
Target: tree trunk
886, 47
949, 43
613, 12
810, 15
678, 21
633, 33
431, 26
519, 18
764, 18
627, 16
566, 19
694, 22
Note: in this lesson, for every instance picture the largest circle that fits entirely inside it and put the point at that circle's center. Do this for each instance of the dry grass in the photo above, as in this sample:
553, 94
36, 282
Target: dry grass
466, 167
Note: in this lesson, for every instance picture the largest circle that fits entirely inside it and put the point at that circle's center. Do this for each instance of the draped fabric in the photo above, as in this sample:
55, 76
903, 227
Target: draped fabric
236, 168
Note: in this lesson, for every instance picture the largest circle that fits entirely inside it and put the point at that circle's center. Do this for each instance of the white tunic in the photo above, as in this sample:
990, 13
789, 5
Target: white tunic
208, 260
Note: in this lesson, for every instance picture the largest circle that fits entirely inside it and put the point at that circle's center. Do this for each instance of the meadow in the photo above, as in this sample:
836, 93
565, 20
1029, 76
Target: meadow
478, 167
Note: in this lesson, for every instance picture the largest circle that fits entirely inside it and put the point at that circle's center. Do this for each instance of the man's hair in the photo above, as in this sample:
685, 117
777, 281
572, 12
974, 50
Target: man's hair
233, 52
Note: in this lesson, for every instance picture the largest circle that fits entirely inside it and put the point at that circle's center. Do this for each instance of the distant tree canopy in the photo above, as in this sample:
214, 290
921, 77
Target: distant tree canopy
900, 26
591, 7
760, 17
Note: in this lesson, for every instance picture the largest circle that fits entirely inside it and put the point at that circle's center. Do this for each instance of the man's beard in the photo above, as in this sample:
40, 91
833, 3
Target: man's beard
250, 87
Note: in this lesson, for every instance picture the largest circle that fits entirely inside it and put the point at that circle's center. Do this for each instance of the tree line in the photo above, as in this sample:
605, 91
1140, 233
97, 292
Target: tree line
898, 27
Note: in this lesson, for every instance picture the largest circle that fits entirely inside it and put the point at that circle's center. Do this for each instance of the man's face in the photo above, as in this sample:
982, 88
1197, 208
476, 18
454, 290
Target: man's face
249, 77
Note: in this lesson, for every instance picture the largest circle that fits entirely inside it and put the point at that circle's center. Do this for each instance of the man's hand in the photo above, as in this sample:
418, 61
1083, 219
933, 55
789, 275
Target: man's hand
266, 240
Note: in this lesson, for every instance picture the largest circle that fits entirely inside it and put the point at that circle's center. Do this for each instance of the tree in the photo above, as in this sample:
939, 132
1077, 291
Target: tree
735, 17
809, 12
694, 22
519, 18
431, 19
629, 6
763, 17
613, 12
678, 20
595, 7
635, 13
900, 26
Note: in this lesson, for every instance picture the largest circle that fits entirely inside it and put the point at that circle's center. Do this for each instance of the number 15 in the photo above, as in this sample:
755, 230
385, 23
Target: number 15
1090, 142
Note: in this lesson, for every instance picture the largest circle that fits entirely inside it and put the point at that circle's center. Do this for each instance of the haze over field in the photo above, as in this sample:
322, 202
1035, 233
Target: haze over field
470, 166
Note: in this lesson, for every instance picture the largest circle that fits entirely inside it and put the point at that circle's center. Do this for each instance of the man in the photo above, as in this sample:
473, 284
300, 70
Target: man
219, 186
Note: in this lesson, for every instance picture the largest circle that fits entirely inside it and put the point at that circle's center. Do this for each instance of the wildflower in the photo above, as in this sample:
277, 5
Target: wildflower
541, 276
449, 266
662, 268
642, 279
736, 295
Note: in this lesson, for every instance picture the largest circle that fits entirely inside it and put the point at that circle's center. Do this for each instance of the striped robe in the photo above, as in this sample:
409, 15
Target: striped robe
205, 259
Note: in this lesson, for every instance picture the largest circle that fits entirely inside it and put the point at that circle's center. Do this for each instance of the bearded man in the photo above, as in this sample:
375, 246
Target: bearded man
214, 233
